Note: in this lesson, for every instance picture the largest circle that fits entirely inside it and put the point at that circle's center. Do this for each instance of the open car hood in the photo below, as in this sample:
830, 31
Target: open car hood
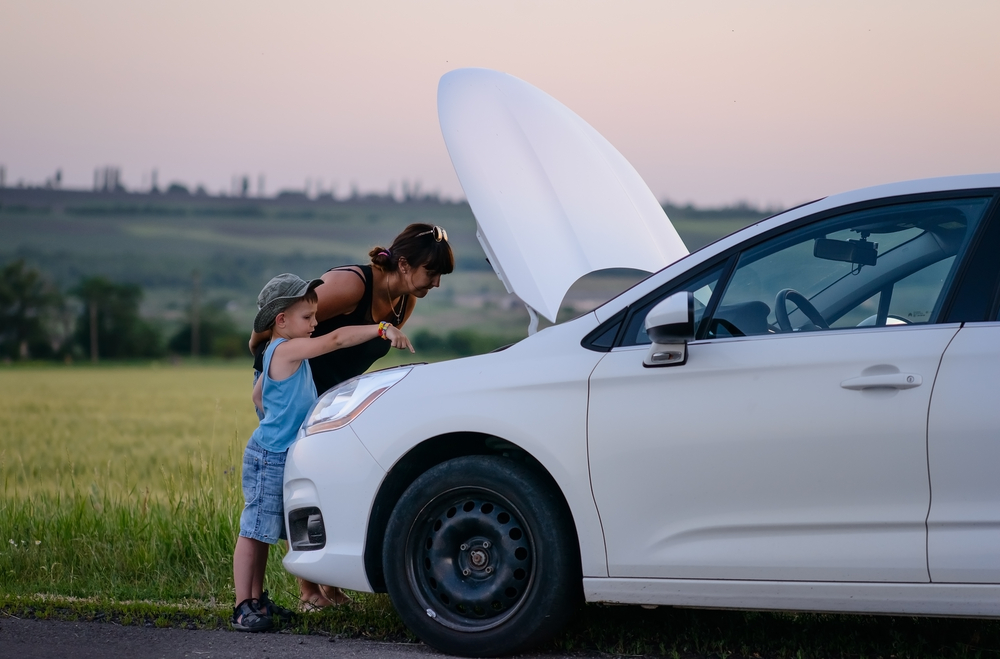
553, 199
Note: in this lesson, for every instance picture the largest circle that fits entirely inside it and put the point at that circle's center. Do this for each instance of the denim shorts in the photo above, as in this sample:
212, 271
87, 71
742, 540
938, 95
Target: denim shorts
263, 516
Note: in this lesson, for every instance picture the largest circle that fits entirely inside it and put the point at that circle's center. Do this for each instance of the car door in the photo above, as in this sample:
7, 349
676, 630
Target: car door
963, 434
789, 446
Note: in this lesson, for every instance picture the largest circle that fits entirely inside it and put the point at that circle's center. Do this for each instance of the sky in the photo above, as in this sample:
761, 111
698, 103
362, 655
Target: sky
769, 103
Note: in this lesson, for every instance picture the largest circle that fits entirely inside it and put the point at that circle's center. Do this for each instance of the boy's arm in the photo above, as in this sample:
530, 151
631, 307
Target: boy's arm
295, 350
258, 393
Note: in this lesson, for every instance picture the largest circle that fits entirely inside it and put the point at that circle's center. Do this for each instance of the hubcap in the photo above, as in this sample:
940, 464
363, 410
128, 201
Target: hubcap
470, 559
479, 558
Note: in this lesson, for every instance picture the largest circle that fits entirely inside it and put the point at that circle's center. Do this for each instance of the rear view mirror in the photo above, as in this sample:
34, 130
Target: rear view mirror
858, 252
670, 325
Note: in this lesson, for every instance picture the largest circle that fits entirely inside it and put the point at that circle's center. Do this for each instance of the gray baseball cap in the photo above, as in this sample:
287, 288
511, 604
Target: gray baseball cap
277, 295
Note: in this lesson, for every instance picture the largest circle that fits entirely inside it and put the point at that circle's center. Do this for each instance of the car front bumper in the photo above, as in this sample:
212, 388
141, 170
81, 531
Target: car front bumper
335, 473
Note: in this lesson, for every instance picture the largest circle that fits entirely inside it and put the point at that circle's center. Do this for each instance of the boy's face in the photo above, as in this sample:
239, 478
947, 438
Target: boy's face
297, 321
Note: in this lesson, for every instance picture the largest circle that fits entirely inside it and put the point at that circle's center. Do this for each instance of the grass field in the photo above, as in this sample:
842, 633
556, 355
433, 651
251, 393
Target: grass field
122, 427
115, 479
121, 504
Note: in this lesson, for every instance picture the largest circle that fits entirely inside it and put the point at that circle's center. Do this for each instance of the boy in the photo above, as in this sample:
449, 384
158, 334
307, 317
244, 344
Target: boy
285, 392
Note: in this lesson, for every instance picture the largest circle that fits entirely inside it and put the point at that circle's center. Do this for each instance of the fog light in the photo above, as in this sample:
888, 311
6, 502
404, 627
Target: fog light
306, 531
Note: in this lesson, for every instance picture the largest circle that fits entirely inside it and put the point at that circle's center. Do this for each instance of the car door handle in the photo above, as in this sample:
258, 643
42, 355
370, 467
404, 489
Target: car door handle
884, 381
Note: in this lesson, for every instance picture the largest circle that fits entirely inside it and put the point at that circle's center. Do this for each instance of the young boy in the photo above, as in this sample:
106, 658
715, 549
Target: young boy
288, 308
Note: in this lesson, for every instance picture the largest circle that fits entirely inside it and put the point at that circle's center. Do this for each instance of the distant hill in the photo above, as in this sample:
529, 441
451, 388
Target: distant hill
236, 243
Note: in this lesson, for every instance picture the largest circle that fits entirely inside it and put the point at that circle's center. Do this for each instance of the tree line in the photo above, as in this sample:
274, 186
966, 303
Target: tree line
99, 319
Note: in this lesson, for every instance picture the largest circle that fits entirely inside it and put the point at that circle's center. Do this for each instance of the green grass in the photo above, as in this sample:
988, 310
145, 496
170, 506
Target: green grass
134, 558
122, 427
122, 497
121, 504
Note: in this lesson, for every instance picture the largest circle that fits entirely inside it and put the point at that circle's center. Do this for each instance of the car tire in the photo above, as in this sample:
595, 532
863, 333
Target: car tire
481, 558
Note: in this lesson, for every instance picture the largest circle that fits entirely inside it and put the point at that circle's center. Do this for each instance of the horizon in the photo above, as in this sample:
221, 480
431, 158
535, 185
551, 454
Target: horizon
181, 193
389, 195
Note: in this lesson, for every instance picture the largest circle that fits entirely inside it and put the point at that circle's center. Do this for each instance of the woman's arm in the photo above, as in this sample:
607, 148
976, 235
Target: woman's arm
256, 338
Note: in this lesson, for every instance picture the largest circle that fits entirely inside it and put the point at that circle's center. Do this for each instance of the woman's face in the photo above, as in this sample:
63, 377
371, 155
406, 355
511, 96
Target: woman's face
421, 280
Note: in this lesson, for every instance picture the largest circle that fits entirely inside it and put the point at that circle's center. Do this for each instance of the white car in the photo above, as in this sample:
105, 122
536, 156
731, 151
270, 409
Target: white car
800, 416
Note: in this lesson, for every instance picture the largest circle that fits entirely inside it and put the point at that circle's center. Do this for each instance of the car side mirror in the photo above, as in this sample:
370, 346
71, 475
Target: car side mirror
670, 325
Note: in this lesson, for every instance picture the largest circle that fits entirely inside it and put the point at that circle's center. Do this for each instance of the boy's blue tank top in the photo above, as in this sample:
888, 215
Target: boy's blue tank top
286, 404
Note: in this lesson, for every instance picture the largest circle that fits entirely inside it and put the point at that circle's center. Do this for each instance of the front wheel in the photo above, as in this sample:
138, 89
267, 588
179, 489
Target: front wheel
481, 559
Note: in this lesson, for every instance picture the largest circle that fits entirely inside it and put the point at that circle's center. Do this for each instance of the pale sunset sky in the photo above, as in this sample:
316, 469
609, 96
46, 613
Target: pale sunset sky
774, 103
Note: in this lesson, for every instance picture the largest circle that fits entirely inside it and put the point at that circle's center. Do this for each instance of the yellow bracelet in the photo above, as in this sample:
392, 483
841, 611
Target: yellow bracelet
382, 327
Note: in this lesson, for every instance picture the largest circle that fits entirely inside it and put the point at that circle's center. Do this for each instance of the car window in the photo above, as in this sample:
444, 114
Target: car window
876, 267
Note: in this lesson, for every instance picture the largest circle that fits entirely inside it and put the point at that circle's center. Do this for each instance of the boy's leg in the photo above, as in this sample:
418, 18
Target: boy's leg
260, 569
262, 519
249, 564
247, 616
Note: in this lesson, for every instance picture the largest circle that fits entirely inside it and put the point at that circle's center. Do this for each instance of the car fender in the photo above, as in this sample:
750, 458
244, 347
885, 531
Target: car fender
500, 395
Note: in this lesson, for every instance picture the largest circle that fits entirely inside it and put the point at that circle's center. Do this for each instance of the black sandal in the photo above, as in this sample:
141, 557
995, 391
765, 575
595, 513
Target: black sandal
274, 610
247, 617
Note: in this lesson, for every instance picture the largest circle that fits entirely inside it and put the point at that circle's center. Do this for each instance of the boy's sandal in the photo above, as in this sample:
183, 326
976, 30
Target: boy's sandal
274, 610
248, 618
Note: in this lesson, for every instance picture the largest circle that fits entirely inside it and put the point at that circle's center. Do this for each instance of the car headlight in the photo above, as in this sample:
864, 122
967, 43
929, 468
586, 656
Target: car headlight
342, 404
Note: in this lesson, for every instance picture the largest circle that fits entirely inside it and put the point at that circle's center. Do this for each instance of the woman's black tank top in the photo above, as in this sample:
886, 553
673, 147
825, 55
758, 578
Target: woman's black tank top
334, 367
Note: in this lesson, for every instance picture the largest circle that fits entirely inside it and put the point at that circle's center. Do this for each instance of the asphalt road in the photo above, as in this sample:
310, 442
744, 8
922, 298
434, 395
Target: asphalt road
35, 639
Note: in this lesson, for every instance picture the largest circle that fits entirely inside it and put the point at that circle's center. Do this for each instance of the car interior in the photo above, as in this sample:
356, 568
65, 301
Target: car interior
876, 267
839, 276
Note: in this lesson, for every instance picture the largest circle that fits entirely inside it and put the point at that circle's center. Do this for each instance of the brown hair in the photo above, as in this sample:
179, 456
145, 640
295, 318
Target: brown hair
417, 245
310, 296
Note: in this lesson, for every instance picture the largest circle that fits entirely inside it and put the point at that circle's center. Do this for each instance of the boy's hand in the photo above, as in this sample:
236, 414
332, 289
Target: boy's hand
398, 339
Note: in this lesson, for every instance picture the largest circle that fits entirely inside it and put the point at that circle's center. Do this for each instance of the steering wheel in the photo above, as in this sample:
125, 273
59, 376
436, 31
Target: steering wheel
804, 305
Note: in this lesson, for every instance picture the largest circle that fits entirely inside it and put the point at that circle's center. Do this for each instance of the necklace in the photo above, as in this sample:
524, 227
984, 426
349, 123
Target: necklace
392, 307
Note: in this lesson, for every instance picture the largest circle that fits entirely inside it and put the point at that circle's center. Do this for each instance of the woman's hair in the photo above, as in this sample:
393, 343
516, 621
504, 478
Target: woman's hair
421, 245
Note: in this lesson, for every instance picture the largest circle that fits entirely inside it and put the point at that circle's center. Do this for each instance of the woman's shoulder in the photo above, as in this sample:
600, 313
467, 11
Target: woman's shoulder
341, 291
344, 274
347, 278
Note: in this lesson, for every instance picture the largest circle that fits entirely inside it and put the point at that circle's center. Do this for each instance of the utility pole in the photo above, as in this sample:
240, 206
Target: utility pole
93, 330
195, 319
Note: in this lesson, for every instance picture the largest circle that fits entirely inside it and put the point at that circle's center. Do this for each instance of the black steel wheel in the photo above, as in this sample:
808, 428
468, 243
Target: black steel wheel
480, 558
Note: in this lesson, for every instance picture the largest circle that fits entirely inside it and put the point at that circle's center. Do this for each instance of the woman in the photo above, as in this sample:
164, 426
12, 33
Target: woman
386, 290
